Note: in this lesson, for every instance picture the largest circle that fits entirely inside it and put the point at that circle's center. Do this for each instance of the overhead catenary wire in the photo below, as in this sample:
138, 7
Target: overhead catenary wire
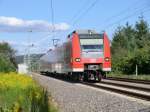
122, 12
85, 12
126, 17
80, 10
43, 39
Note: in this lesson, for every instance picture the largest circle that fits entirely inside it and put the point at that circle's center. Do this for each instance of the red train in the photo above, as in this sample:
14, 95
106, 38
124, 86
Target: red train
84, 56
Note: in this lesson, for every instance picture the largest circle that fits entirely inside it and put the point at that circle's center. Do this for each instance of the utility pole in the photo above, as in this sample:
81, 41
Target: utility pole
28, 53
136, 70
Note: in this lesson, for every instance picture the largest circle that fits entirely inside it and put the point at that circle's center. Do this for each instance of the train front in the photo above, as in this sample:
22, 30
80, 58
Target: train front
91, 54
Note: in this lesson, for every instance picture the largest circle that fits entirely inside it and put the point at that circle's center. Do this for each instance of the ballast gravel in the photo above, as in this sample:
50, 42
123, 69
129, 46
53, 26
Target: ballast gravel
73, 97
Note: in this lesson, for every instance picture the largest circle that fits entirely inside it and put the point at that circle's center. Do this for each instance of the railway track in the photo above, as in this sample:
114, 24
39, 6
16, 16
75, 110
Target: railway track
129, 80
130, 89
131, 85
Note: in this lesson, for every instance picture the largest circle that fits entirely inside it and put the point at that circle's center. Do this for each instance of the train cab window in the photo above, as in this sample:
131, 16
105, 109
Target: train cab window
91, 44
92, 47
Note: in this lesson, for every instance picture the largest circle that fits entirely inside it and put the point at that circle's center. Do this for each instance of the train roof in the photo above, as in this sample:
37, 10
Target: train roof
81, 31
88, 34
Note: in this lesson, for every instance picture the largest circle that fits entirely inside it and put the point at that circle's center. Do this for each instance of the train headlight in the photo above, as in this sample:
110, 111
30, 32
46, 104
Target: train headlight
77, 60
107, 59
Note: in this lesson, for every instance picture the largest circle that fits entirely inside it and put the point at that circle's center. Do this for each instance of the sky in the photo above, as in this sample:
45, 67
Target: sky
27, 25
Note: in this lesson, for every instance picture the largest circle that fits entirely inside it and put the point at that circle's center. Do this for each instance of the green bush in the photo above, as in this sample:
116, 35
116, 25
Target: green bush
19, 93
6, 65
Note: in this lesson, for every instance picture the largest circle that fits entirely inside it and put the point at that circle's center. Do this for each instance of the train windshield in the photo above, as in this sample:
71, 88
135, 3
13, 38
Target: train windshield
92, 47
91, 44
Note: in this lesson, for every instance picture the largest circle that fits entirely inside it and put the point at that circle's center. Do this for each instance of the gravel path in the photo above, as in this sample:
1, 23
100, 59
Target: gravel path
73, 97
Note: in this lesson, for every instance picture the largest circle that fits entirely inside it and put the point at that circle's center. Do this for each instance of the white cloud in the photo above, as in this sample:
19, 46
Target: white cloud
12, 24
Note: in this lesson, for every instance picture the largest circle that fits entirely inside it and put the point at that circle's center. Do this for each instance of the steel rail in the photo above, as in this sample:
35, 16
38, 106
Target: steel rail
125, 92
129, 80
127, 86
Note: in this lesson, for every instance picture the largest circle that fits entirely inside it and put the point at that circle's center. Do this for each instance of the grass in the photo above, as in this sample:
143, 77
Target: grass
140, 77
19, 93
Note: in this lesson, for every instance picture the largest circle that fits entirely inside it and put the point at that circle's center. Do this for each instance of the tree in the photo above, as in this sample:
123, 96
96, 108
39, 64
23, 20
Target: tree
7, 60
122, 44
142, 32
131, 47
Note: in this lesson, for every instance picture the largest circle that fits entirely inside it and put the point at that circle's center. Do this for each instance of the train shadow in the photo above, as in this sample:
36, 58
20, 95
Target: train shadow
60, 77
66, 78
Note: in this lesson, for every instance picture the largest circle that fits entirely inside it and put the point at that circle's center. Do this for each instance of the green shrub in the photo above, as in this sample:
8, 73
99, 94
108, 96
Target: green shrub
19, 93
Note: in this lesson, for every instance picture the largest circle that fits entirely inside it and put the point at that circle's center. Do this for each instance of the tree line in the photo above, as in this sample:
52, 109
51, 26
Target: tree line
130, 48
